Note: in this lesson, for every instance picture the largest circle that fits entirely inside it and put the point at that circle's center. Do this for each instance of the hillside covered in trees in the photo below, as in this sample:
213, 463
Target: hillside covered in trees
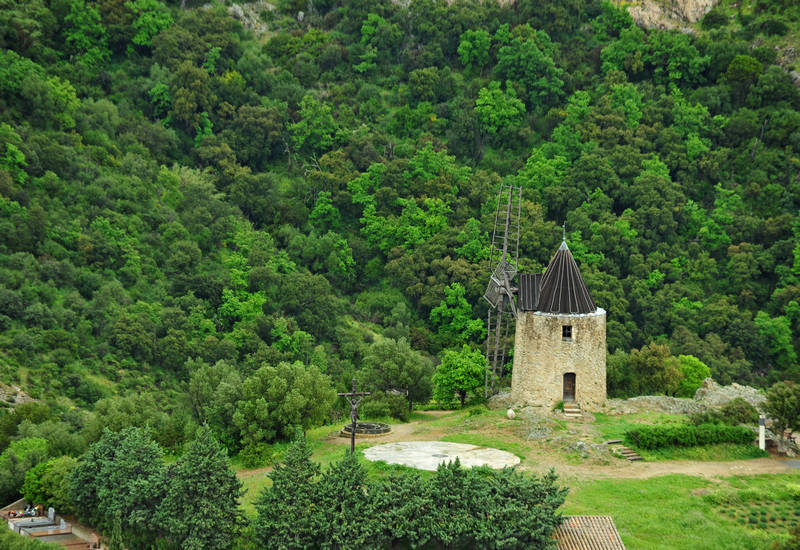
221, 214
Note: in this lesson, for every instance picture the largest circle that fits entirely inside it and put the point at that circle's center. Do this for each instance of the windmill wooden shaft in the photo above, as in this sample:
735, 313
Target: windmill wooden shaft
500, 291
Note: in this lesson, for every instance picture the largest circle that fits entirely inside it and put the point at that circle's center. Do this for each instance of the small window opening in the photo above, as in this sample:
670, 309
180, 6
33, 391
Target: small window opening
566, 333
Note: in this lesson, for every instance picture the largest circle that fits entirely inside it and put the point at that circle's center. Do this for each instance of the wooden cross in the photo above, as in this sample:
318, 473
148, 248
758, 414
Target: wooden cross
354, 398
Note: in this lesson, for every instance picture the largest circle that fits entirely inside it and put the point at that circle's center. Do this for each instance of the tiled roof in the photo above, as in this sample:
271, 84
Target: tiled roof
563, 289
588, 533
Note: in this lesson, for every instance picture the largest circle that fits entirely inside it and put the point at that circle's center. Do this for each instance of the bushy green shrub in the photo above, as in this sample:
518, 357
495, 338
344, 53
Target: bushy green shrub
694, 371
738, 411
380, 405
713, 416
9, 540
714, 19
47, 483
735, 412
656, 437
770, 26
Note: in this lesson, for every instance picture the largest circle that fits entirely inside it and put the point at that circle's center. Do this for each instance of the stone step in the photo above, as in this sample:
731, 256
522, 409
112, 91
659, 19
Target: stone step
628, 454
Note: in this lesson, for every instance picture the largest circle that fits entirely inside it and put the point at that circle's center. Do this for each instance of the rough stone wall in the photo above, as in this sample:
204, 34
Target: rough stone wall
669, 14
541, 358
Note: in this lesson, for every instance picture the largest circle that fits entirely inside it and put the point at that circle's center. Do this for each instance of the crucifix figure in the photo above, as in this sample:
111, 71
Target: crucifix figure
354, 398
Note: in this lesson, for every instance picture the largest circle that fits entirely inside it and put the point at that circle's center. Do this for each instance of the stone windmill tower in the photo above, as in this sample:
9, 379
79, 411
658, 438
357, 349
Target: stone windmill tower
560, 342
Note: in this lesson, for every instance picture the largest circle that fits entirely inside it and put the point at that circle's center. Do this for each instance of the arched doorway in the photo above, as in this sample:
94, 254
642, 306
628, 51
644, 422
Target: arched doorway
569, 386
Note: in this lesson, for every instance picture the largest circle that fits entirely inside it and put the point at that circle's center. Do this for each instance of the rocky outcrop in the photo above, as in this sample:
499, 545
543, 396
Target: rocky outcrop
12, 395
654, 403
249, 15
712, 395
669, 14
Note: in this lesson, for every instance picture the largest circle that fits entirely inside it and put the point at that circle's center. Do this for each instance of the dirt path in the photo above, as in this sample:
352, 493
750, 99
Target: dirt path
644, 470
415, 430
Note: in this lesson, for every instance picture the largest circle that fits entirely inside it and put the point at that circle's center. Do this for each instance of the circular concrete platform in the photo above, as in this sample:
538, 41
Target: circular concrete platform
427, 455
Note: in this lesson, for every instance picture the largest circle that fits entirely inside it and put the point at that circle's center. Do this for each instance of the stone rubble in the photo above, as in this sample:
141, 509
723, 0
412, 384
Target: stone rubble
669, 15
710, 395
249, 15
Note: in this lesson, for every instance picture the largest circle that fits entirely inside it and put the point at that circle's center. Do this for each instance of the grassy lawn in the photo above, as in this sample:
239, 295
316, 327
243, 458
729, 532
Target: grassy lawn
486, 440
615, 426
679, 511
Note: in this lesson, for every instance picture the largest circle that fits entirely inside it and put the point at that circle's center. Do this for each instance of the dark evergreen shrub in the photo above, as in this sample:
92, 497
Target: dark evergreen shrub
714, 19
456, 508
738, 411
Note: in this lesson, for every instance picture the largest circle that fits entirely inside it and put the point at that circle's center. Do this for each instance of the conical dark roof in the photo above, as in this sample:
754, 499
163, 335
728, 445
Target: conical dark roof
563, 289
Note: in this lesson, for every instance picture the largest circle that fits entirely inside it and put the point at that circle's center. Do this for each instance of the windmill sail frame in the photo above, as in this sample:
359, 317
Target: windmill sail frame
500, 290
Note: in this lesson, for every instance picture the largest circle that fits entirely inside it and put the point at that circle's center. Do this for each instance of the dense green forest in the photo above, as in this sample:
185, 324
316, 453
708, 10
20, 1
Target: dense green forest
205, 222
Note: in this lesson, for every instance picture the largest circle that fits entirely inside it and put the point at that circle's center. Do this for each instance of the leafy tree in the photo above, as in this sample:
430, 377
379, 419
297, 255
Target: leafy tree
499, 110
653, 370
473, 48
13, 160
459, 373
453, 316
627, 53
33, 412
200, 507
214, 391
618, 374
325, 215
24, 25
277, 400
694, 372
47, 100
259, 133
675, 59
474, 245
743, 71
529, 63
47, 483
380, 37
191, 95
85, 35
310, 299
315, 131
139, 411
392, 364
783, 406
152, 18
18, 458
777, 332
